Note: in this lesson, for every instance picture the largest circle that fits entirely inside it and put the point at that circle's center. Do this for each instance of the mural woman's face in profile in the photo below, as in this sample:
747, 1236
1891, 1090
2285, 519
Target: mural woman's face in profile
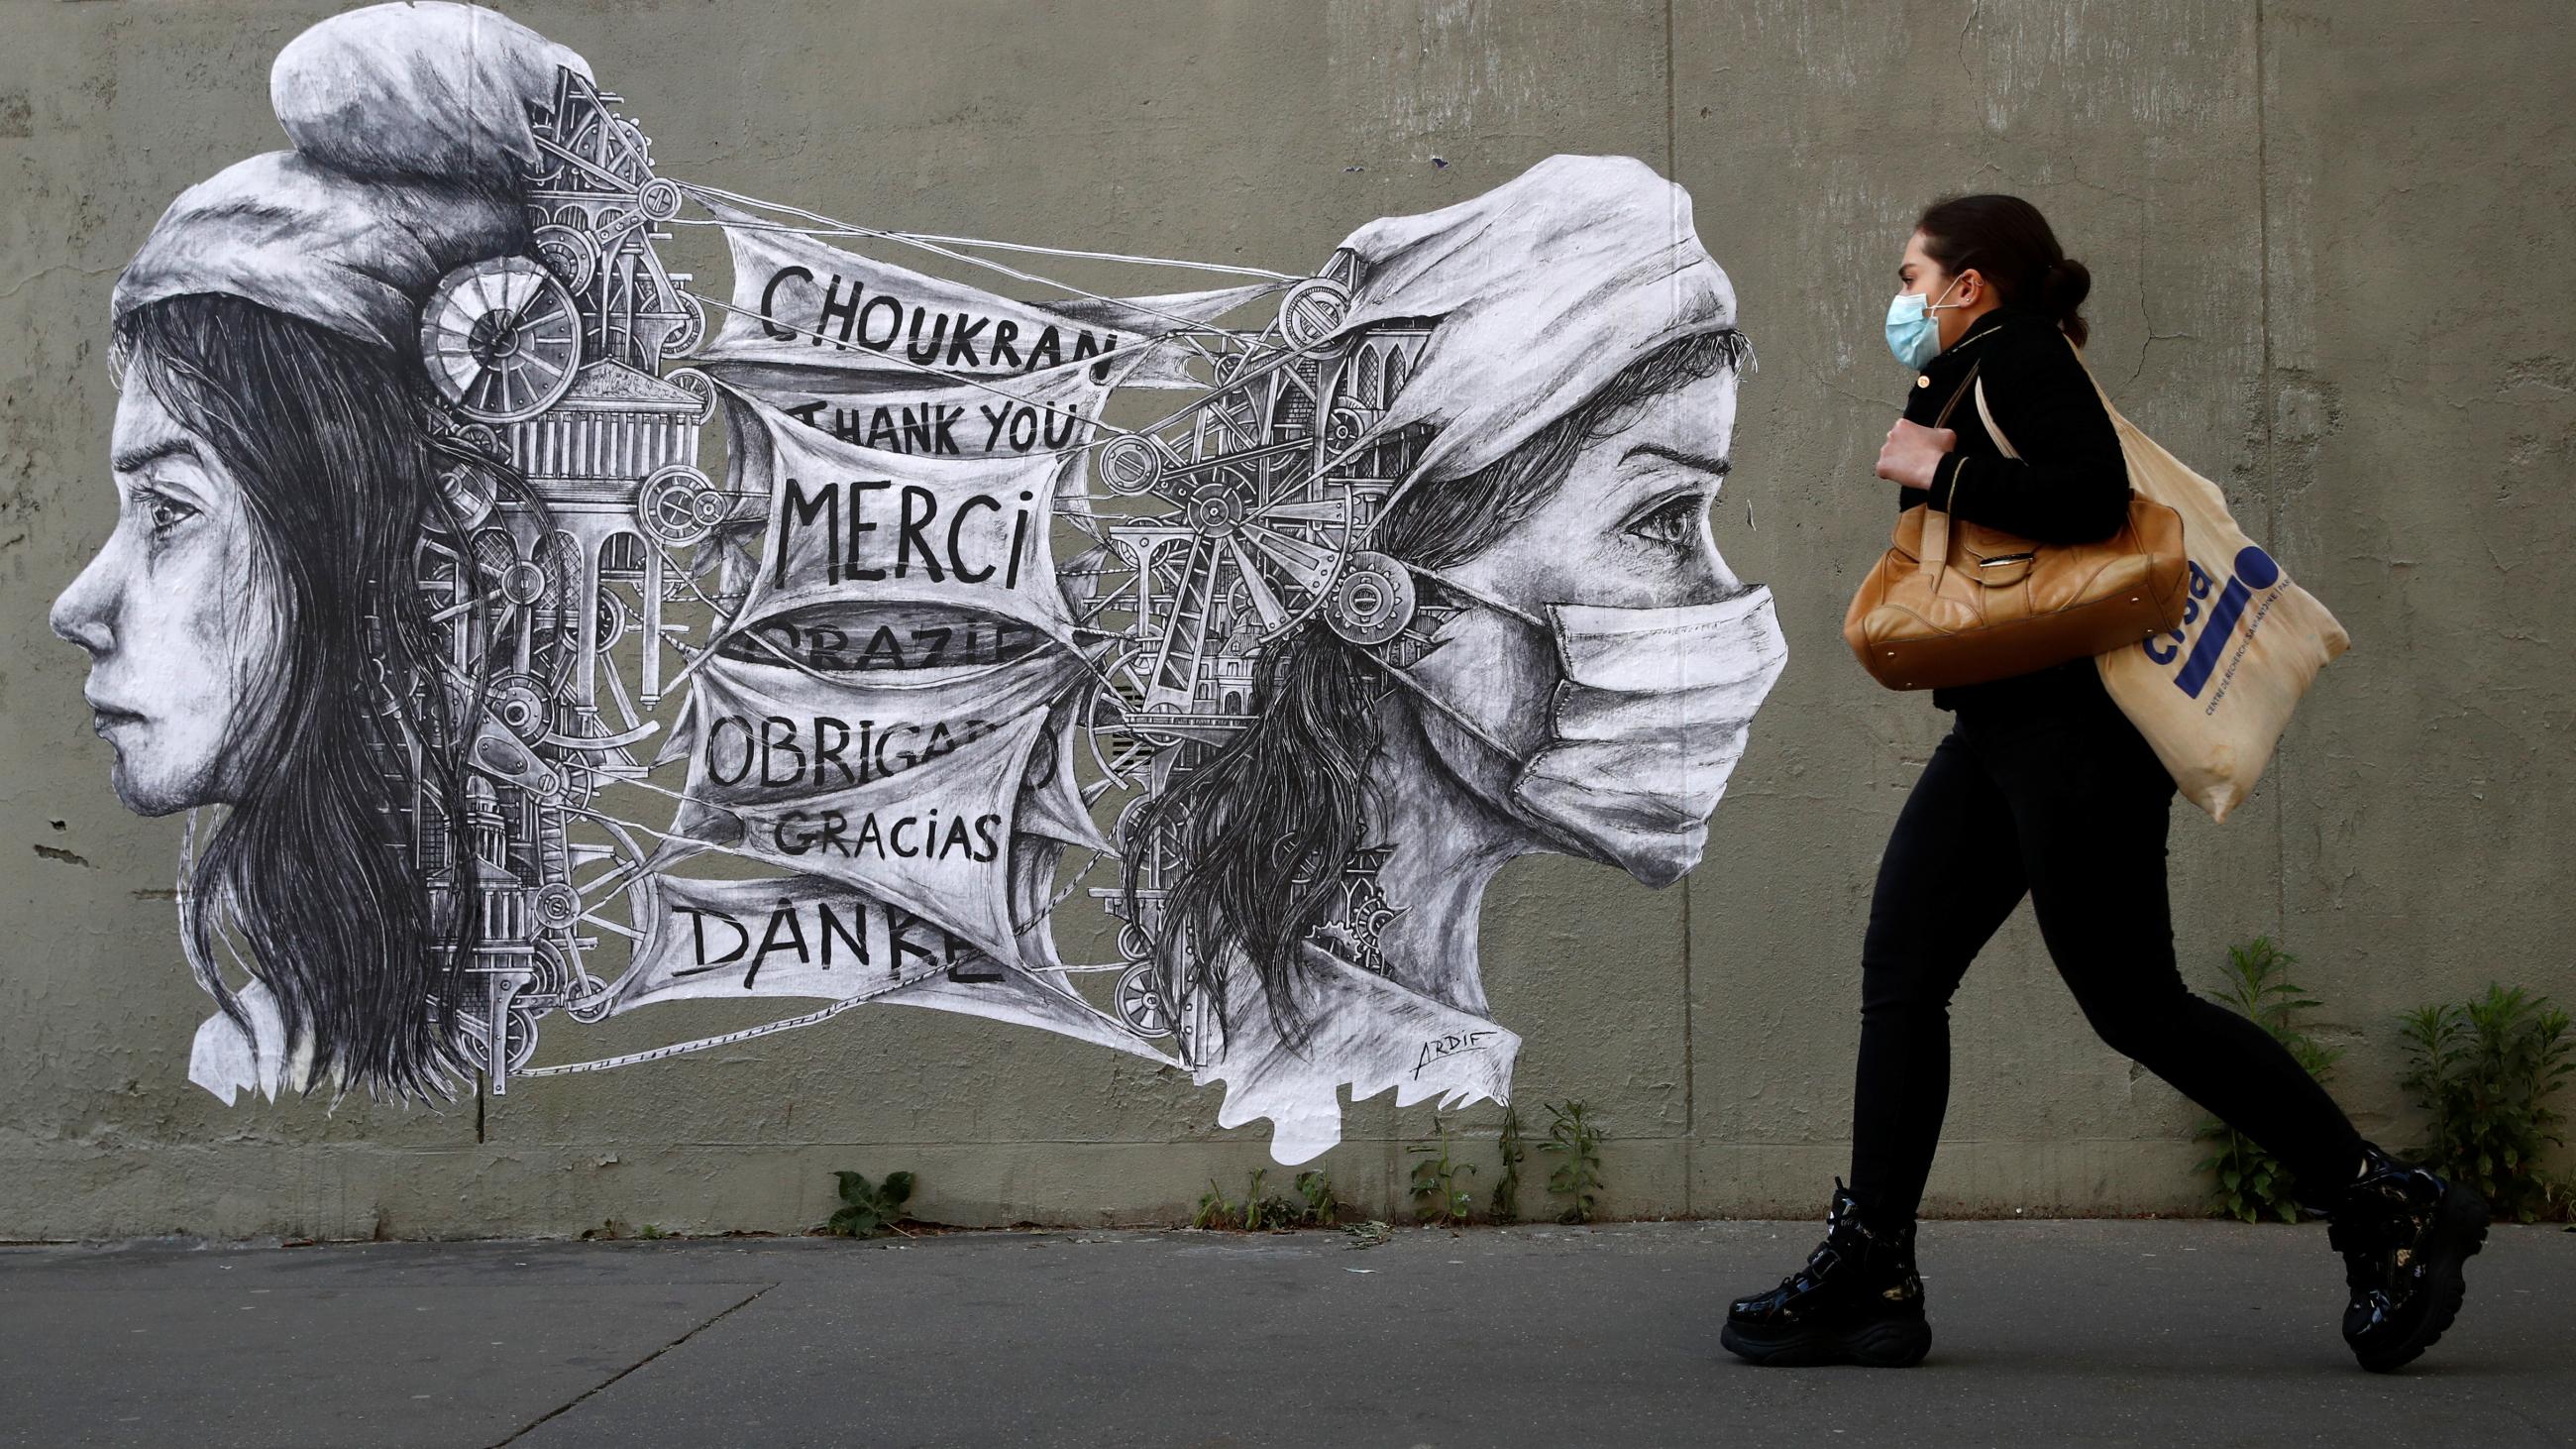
1628, 528
174, 612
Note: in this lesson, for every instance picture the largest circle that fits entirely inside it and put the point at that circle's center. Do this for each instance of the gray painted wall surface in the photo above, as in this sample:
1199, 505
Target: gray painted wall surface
2333, 269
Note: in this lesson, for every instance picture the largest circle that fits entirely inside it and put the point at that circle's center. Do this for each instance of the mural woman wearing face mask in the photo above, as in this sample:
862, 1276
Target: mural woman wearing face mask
1541, 651
2044, 789
252, 622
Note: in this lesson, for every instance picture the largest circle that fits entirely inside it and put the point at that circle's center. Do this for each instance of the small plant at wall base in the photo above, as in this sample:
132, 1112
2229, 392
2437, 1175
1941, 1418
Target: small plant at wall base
1507, 1186
1437, 1198
1214, 1211
1256, 1203
1575, 1137
1269, 1212
869, 1209
2558, 1200
1323, 1209
1262, 1211
2246, 1181
2486, 1069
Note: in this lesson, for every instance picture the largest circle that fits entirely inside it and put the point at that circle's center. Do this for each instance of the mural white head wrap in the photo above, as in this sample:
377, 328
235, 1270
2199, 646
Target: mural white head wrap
1544, 289
410, 125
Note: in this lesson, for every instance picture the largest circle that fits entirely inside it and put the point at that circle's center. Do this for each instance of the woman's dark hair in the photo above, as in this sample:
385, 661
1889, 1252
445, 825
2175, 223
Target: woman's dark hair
1253, 839
2009, 243
312, 877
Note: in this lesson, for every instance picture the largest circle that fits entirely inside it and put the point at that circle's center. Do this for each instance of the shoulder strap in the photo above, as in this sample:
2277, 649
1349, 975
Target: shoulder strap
1986, 415
1965, 383
1936, 521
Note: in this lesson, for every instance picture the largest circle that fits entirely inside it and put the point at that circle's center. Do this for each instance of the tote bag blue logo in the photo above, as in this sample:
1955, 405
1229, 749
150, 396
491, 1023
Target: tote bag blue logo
2255, 572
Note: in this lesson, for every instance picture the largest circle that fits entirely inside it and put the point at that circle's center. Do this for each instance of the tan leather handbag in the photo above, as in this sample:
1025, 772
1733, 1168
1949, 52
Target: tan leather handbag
1955, 603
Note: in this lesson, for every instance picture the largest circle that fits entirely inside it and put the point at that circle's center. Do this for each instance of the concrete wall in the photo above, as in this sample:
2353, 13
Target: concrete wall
2334, 268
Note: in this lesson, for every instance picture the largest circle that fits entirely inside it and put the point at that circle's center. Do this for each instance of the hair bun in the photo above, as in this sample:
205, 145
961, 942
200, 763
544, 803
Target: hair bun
418, 92
2064, 287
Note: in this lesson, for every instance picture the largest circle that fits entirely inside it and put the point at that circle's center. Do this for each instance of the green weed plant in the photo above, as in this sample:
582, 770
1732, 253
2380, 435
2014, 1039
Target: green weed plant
2487, 1069
869, 1209
1437, 1197
1574, 1137
1260, 1210
2247, 1182
1507, 1184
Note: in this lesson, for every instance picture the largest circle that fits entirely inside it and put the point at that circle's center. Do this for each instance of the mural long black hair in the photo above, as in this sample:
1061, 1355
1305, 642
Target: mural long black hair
311, 879
1256, 836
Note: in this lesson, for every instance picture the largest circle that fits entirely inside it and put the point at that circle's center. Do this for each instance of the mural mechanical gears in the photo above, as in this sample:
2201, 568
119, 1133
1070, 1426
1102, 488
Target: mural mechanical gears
570, 254
1130, 465
1216, 510
501, 339
696, 383
517, 702
689, 330
1140, 1005
679, 506
1372, 601
1312, 313
469, 493
555, 905
659, 199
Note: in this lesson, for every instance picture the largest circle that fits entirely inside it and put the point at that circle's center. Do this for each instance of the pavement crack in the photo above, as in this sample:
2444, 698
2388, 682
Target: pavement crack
577, 1400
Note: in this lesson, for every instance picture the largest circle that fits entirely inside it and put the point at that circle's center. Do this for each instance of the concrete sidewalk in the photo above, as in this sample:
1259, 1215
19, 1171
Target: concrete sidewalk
2047, 1333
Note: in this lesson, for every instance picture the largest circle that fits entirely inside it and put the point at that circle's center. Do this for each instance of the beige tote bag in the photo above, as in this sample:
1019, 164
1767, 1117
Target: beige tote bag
2214, 695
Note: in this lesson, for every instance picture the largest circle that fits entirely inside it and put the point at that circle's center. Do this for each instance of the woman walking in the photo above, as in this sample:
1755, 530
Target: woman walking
2043, 788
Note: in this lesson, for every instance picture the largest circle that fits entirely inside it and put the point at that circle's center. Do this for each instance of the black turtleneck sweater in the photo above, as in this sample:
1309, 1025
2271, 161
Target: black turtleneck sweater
2070, 484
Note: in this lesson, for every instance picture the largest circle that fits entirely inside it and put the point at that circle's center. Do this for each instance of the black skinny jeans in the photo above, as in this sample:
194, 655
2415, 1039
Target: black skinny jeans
2063, 800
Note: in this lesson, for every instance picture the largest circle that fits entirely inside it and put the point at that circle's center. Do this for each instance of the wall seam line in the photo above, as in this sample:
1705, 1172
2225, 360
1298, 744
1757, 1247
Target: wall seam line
2265, 399
1690, 1034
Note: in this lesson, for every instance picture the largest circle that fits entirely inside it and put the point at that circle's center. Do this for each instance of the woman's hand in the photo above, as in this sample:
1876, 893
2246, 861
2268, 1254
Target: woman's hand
1912, 452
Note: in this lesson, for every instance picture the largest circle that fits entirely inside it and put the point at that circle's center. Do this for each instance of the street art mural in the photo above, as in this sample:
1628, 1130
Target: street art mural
536, 634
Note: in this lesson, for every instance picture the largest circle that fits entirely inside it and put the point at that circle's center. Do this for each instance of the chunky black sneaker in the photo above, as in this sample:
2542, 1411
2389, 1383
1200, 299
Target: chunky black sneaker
1858, 1300
2403, 1234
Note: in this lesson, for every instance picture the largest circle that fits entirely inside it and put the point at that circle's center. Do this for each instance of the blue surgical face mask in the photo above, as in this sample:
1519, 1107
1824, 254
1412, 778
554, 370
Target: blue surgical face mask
1912, 334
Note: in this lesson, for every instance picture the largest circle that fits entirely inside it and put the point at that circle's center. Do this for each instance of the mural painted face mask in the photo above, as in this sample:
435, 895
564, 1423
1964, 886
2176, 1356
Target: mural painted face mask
1912, 334
1643, 729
